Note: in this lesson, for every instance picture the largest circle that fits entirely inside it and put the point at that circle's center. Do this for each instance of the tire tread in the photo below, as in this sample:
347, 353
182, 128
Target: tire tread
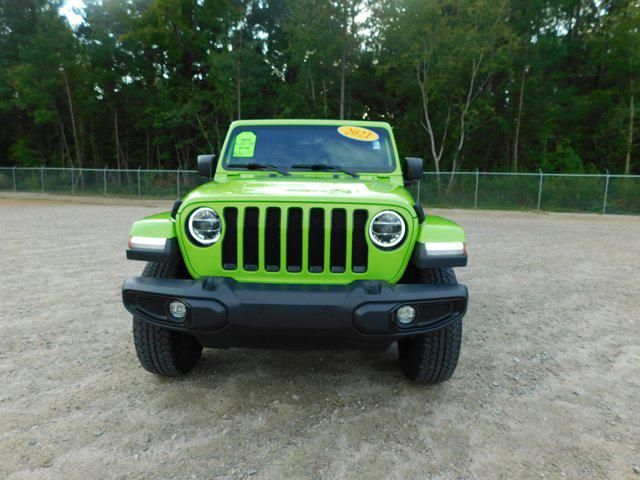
161, 351
433, 357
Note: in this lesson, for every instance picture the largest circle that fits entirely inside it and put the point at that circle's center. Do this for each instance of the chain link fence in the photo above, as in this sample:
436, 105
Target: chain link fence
487, 190
561, 192
94, 181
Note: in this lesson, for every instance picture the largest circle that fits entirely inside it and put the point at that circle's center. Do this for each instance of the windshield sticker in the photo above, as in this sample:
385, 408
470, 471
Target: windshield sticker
376, 145
358, 133
245, 145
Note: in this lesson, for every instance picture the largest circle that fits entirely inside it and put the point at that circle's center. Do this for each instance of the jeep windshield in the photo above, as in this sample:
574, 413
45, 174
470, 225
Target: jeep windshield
298, 148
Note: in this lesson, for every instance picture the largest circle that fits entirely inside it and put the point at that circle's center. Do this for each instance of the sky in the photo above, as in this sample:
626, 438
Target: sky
75, 19
67, 11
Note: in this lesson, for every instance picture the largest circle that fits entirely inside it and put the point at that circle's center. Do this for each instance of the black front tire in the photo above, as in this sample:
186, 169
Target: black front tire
432, 358
161, 351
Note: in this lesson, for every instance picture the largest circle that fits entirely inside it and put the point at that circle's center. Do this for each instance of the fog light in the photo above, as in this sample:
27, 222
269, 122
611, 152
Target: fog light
405, 316
178, 310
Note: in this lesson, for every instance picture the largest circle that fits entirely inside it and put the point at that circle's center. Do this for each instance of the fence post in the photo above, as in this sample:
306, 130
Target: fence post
178, 181
42, 177
475, 198
139, 180
14, 179
606, 192
73, 180
540, 189
104, 178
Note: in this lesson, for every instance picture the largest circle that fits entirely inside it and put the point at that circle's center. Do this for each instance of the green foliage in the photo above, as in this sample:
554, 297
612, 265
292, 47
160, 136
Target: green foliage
22, 153
494, 85
563, 159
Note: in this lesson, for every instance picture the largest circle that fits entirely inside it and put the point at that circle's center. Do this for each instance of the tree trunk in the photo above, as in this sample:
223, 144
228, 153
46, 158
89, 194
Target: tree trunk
472, 93
217, 130
324, 95
422, 76
73, 119
632, 112
94, 149
238, 91
422, 79
175, 145
343, 72
313, 90
148, 150
516, 139
125, 151
238, 81
204, 133
115, 121
65, 145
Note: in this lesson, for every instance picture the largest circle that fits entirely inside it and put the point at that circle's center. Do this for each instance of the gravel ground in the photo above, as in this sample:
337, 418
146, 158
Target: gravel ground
548, 385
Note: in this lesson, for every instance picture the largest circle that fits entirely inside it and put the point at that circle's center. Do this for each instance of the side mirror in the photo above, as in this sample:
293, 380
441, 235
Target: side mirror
206, 166
413, 169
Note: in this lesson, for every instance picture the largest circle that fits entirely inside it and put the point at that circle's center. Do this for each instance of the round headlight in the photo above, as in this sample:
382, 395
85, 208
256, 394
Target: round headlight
387, 229
205, 226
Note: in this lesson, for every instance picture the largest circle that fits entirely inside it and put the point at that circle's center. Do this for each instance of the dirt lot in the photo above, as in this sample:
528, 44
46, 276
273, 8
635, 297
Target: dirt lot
548, 385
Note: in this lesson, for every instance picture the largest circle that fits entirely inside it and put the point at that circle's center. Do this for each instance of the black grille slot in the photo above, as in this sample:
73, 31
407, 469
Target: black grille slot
359, 251
338, 241
250, 241
272, 240
230, 241
316, 240
294, 240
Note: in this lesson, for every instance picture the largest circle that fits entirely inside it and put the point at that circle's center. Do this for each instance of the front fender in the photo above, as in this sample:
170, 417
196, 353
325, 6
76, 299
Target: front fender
440, 243
440, 229
160, 225
153, 239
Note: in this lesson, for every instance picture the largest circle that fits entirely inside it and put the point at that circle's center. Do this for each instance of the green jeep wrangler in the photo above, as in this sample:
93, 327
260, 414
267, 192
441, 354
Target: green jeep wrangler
304, 236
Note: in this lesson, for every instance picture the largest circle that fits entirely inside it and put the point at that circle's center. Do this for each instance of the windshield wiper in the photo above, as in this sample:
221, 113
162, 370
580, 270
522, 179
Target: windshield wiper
259, 166
319, 167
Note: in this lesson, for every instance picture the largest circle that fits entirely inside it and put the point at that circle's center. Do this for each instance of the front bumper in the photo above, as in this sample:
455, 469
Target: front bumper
225, 313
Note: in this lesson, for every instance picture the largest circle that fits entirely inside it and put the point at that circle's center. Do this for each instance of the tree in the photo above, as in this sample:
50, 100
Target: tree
47, 79
470, 83
624, 54
449, 50
323, 42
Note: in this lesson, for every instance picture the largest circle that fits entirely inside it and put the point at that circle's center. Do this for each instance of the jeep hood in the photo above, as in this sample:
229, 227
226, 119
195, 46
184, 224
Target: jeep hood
302, 190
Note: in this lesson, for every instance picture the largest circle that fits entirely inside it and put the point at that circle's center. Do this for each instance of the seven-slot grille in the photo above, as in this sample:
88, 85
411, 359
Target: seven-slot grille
295, 239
